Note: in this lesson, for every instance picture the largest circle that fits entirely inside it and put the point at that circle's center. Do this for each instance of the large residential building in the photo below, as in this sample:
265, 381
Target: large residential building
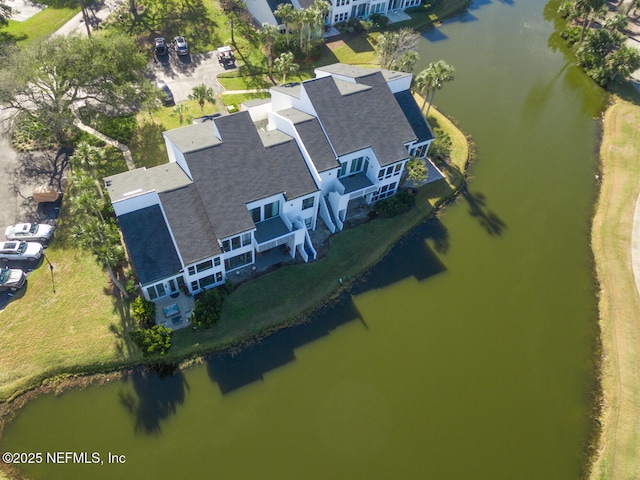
241, 185
343, 10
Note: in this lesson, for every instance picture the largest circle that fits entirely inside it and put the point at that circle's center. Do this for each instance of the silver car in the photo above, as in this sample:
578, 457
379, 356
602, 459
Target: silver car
39, 232
11, 279
17, 250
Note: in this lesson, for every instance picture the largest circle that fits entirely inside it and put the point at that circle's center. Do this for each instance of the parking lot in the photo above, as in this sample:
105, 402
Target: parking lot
182, 73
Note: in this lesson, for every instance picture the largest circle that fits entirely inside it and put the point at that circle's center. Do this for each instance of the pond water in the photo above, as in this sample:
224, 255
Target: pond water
466, 353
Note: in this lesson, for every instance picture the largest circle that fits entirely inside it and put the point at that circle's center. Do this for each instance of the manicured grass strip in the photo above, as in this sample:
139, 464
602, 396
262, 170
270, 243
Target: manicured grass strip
619, 305
42, 332
41, 25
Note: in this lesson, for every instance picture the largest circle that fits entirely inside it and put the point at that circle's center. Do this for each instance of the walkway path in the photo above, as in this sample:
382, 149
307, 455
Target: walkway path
121, 146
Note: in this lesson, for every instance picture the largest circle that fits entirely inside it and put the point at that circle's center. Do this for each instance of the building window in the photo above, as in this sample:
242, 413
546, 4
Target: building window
192, 270
308, 222
226, 246
271, 209
216, 261
255, 214
235, 243
307, 203
201, 267
238, 261
397, 169
384, 192
218, 277
343, 169
194, 285
156, 291
207, 281
356, 165
246, 239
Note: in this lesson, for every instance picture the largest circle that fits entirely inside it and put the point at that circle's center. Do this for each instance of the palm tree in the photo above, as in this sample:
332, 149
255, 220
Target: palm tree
586, 8
431, 79
285, 65
269, 34
87, 158
202, 93
286, 12
321, 9
180, 109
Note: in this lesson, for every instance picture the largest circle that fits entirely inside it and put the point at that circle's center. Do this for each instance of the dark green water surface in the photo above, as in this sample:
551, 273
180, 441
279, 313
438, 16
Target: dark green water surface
466, 354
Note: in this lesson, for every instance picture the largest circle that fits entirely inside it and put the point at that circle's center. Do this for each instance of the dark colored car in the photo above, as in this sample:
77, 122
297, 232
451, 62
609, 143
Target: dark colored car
181, 46
160, 46
167, 96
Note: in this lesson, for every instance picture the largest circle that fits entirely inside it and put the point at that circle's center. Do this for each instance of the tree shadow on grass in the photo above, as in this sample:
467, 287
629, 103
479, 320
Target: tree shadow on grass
157, 393
147, 146
122, 308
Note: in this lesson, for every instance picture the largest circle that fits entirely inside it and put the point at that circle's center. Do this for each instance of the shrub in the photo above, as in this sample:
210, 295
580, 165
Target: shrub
399, 203
130, 286
30, 134
207, 309
379, 21
143, 311
152, 341
440, 149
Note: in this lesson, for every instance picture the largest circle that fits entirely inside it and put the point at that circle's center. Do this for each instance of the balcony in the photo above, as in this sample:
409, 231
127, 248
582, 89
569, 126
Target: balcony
355, 182
271, 233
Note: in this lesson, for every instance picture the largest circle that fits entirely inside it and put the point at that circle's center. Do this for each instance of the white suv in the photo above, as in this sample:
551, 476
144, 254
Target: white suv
11, 279
17, 250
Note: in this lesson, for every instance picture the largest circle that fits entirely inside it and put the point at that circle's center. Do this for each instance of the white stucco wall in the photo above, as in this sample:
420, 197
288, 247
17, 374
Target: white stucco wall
175, 155
136, 202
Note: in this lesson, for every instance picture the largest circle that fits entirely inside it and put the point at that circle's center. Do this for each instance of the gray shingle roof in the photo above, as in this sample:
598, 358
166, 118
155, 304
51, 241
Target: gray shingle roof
141, 180
188, 220
149, 243
313, 138
193, 137
365, 118
241, 169
414, 116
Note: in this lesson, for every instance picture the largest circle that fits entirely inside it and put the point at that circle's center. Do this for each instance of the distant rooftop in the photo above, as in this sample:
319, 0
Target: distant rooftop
292, 89
273, 137
142, 180
346, 70
349, 88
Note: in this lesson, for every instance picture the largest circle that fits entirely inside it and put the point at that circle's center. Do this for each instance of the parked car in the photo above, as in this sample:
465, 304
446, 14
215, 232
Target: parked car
167, 96
161, 46
11, 279
17, 250
181, 46
39, 232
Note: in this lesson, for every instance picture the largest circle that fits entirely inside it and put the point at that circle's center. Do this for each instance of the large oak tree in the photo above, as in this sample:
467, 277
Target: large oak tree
49, 80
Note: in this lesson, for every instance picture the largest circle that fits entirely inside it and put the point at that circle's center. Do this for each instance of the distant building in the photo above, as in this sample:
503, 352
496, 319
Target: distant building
242, 185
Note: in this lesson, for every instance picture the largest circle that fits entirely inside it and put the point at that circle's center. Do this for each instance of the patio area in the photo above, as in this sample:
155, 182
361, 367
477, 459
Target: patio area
173, 312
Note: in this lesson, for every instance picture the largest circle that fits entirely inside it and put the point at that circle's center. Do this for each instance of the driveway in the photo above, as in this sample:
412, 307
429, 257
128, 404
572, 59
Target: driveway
181, 74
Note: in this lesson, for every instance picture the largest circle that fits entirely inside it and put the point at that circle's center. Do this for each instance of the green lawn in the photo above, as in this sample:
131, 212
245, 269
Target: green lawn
41, 25
76, 328
618, 453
